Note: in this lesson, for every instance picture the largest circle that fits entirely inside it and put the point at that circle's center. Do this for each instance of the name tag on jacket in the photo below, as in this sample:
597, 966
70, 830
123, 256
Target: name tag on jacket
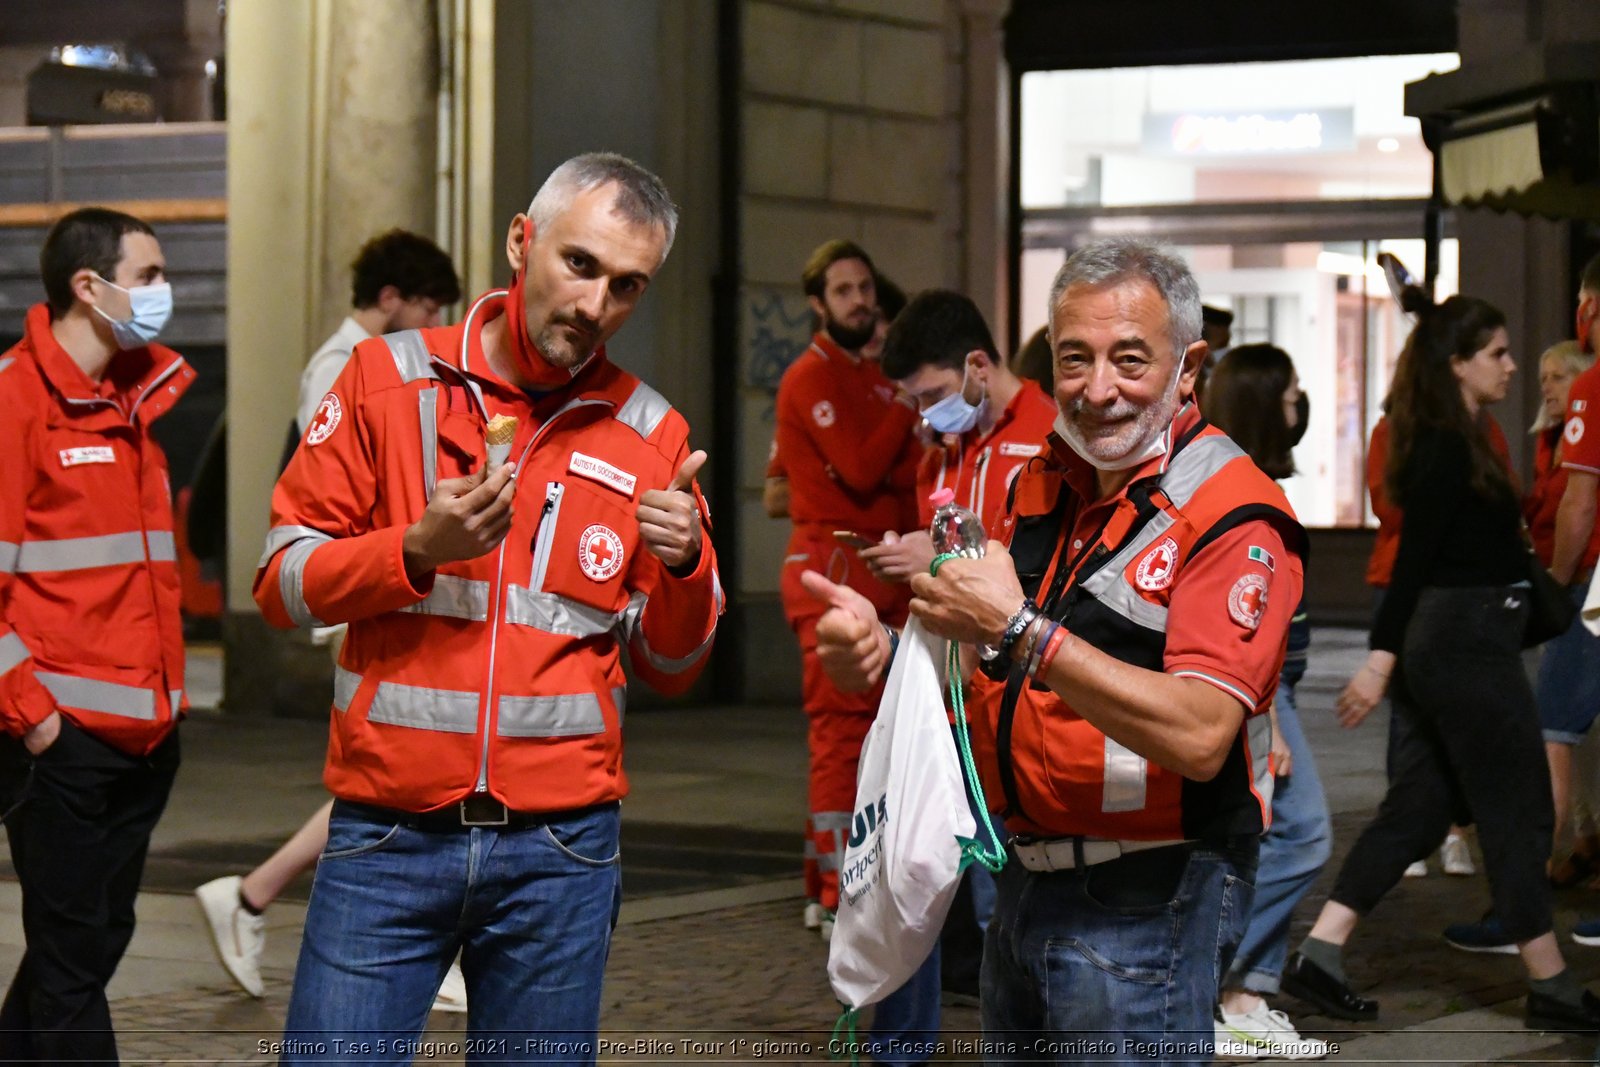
76, 457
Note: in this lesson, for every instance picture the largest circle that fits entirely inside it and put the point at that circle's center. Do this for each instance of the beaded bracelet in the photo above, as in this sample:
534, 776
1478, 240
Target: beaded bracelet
1016, 627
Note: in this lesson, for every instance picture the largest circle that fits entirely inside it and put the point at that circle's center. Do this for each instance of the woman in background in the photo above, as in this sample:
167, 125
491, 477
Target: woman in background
1254, 396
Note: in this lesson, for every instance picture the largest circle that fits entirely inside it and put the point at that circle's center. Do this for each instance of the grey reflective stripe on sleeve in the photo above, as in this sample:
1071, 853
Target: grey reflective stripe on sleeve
454, 598
556, 614
291, 581
450, 711
345, 684
639, 645
643, 411
6, 362
281, 537
428, 418
716, 591
1258, 735
12, 652
108, 698
8, 557
567, 715
619, 699
80, 553
411, 356
163, 547
1124, 785
175, 697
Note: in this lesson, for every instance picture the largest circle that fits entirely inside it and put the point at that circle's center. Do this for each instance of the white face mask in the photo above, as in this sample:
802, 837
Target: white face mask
953, 414
1151, 445
149, 308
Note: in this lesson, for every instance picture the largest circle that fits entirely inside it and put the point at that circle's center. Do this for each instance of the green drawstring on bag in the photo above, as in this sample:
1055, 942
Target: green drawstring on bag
847, 1023
986, 853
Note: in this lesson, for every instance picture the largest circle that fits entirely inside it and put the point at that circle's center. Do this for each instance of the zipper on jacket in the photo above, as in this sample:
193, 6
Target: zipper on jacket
545, 536
496, 596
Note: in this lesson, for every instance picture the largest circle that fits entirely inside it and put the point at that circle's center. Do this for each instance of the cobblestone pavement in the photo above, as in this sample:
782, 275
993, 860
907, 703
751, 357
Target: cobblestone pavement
728, 975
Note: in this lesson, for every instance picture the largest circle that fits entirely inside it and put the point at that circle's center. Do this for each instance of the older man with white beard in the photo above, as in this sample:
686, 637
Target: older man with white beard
1139, 598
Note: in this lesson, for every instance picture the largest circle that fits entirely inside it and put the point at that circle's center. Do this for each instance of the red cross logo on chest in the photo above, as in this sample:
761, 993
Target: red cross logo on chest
600, 553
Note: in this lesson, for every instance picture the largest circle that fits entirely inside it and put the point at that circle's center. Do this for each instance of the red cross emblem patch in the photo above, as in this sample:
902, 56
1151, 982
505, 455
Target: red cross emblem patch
600, 553
325, 421
1247, 601
1157, 567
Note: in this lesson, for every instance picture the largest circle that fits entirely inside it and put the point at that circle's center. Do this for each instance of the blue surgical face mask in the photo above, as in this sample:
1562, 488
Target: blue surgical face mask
149, 308
953, 414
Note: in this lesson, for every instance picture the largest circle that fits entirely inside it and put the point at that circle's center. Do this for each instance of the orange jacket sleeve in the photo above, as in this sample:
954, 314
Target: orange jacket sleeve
24, 701
324, 562
673, 620
861, 457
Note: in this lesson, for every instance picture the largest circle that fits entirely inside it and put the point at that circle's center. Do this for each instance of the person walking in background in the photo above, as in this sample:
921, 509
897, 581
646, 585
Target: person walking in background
1254, 396
399, 281
476, 753
1447, 645
847, 447
1455, 858
91, 642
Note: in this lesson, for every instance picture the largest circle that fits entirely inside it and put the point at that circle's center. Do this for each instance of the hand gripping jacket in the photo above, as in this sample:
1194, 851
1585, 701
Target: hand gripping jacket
499, 674
89, 621
1058, 774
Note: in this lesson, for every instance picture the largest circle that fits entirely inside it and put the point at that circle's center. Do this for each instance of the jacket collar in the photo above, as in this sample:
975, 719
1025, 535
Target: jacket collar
142, 382
464, 352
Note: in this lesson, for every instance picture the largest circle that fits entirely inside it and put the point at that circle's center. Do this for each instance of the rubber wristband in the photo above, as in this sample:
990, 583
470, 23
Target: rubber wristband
1058, 637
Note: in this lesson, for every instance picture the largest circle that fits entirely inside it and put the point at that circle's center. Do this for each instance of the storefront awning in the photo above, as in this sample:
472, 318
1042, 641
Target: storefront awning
1522, 158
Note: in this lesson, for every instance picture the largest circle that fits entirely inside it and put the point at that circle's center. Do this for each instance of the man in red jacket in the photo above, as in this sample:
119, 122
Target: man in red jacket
476, 745
850, 457
91, 644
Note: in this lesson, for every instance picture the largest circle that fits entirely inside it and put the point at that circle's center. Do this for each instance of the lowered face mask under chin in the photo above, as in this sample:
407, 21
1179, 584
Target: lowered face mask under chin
1154, 444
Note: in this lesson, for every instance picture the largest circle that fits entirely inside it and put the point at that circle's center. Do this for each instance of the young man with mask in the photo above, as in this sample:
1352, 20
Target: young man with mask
989, 422
91, 643
1138, 600
847, 448
476, 755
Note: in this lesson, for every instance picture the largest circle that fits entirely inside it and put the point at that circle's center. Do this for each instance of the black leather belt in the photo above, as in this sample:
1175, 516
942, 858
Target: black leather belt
479, 810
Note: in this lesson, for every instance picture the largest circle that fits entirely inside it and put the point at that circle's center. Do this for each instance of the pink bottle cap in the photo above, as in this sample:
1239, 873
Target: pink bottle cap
940, 497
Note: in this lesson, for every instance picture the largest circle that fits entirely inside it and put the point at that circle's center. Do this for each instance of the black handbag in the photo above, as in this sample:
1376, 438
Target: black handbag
1550, 607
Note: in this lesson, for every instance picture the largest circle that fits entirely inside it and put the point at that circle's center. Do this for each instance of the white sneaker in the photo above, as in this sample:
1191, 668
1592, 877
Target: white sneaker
1455, 857
1265, 1034
813, 914
825, 927
452, 995
237, 935
1418, 869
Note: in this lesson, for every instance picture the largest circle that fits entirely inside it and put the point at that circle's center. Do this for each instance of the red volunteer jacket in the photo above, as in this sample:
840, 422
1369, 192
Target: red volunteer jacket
979, 469
500, 674
89, 620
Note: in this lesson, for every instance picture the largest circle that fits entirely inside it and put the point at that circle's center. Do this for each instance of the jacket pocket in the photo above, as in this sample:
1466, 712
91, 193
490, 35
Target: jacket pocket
583, 547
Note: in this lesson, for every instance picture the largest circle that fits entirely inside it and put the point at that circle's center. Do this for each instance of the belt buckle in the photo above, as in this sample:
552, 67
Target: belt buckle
481, 809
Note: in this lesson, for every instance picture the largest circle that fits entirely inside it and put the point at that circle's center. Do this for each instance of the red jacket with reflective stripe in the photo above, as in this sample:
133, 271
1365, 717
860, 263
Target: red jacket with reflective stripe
89, 620
500, 674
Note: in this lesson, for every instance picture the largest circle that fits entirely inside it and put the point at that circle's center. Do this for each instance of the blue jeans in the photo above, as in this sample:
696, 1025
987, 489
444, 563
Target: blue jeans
1568, 689
531, 912
1116, 962
905, 1024
1292, 853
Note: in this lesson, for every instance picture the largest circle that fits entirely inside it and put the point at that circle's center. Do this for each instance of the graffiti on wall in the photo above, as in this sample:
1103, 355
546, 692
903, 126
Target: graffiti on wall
777, 328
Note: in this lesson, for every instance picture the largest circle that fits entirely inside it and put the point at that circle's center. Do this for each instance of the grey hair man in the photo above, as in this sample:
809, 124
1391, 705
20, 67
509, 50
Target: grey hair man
1138, 607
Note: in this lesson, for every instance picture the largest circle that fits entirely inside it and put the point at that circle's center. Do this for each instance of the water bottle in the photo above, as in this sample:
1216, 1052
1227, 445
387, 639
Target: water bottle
957, 530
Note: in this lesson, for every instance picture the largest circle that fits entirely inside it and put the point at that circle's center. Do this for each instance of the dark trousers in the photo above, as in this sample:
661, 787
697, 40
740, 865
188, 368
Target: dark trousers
1467, 742
79, 832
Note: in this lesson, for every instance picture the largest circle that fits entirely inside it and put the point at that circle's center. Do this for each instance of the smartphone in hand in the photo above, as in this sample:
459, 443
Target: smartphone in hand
853, 539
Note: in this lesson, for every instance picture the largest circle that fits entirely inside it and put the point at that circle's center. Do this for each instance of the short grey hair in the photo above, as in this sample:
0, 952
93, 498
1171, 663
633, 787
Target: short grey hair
642, 198
1114, 260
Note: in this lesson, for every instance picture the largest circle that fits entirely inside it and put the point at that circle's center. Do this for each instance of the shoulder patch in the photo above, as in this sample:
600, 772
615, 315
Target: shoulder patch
329, 414
822, 413
1247, 601
1574, 431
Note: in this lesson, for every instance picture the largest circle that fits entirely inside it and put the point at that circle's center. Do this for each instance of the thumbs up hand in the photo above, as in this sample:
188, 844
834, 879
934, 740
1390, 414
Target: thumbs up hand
669, 519
851, 643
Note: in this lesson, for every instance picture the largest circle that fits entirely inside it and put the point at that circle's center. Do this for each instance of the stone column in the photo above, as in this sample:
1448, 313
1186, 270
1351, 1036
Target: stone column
986, 159
332, 119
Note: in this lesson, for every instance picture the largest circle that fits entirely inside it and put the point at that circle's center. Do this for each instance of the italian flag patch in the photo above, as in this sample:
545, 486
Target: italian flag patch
1262, 556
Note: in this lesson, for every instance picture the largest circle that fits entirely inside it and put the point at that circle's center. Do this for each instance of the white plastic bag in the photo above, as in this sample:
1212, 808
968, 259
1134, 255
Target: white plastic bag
903, 860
